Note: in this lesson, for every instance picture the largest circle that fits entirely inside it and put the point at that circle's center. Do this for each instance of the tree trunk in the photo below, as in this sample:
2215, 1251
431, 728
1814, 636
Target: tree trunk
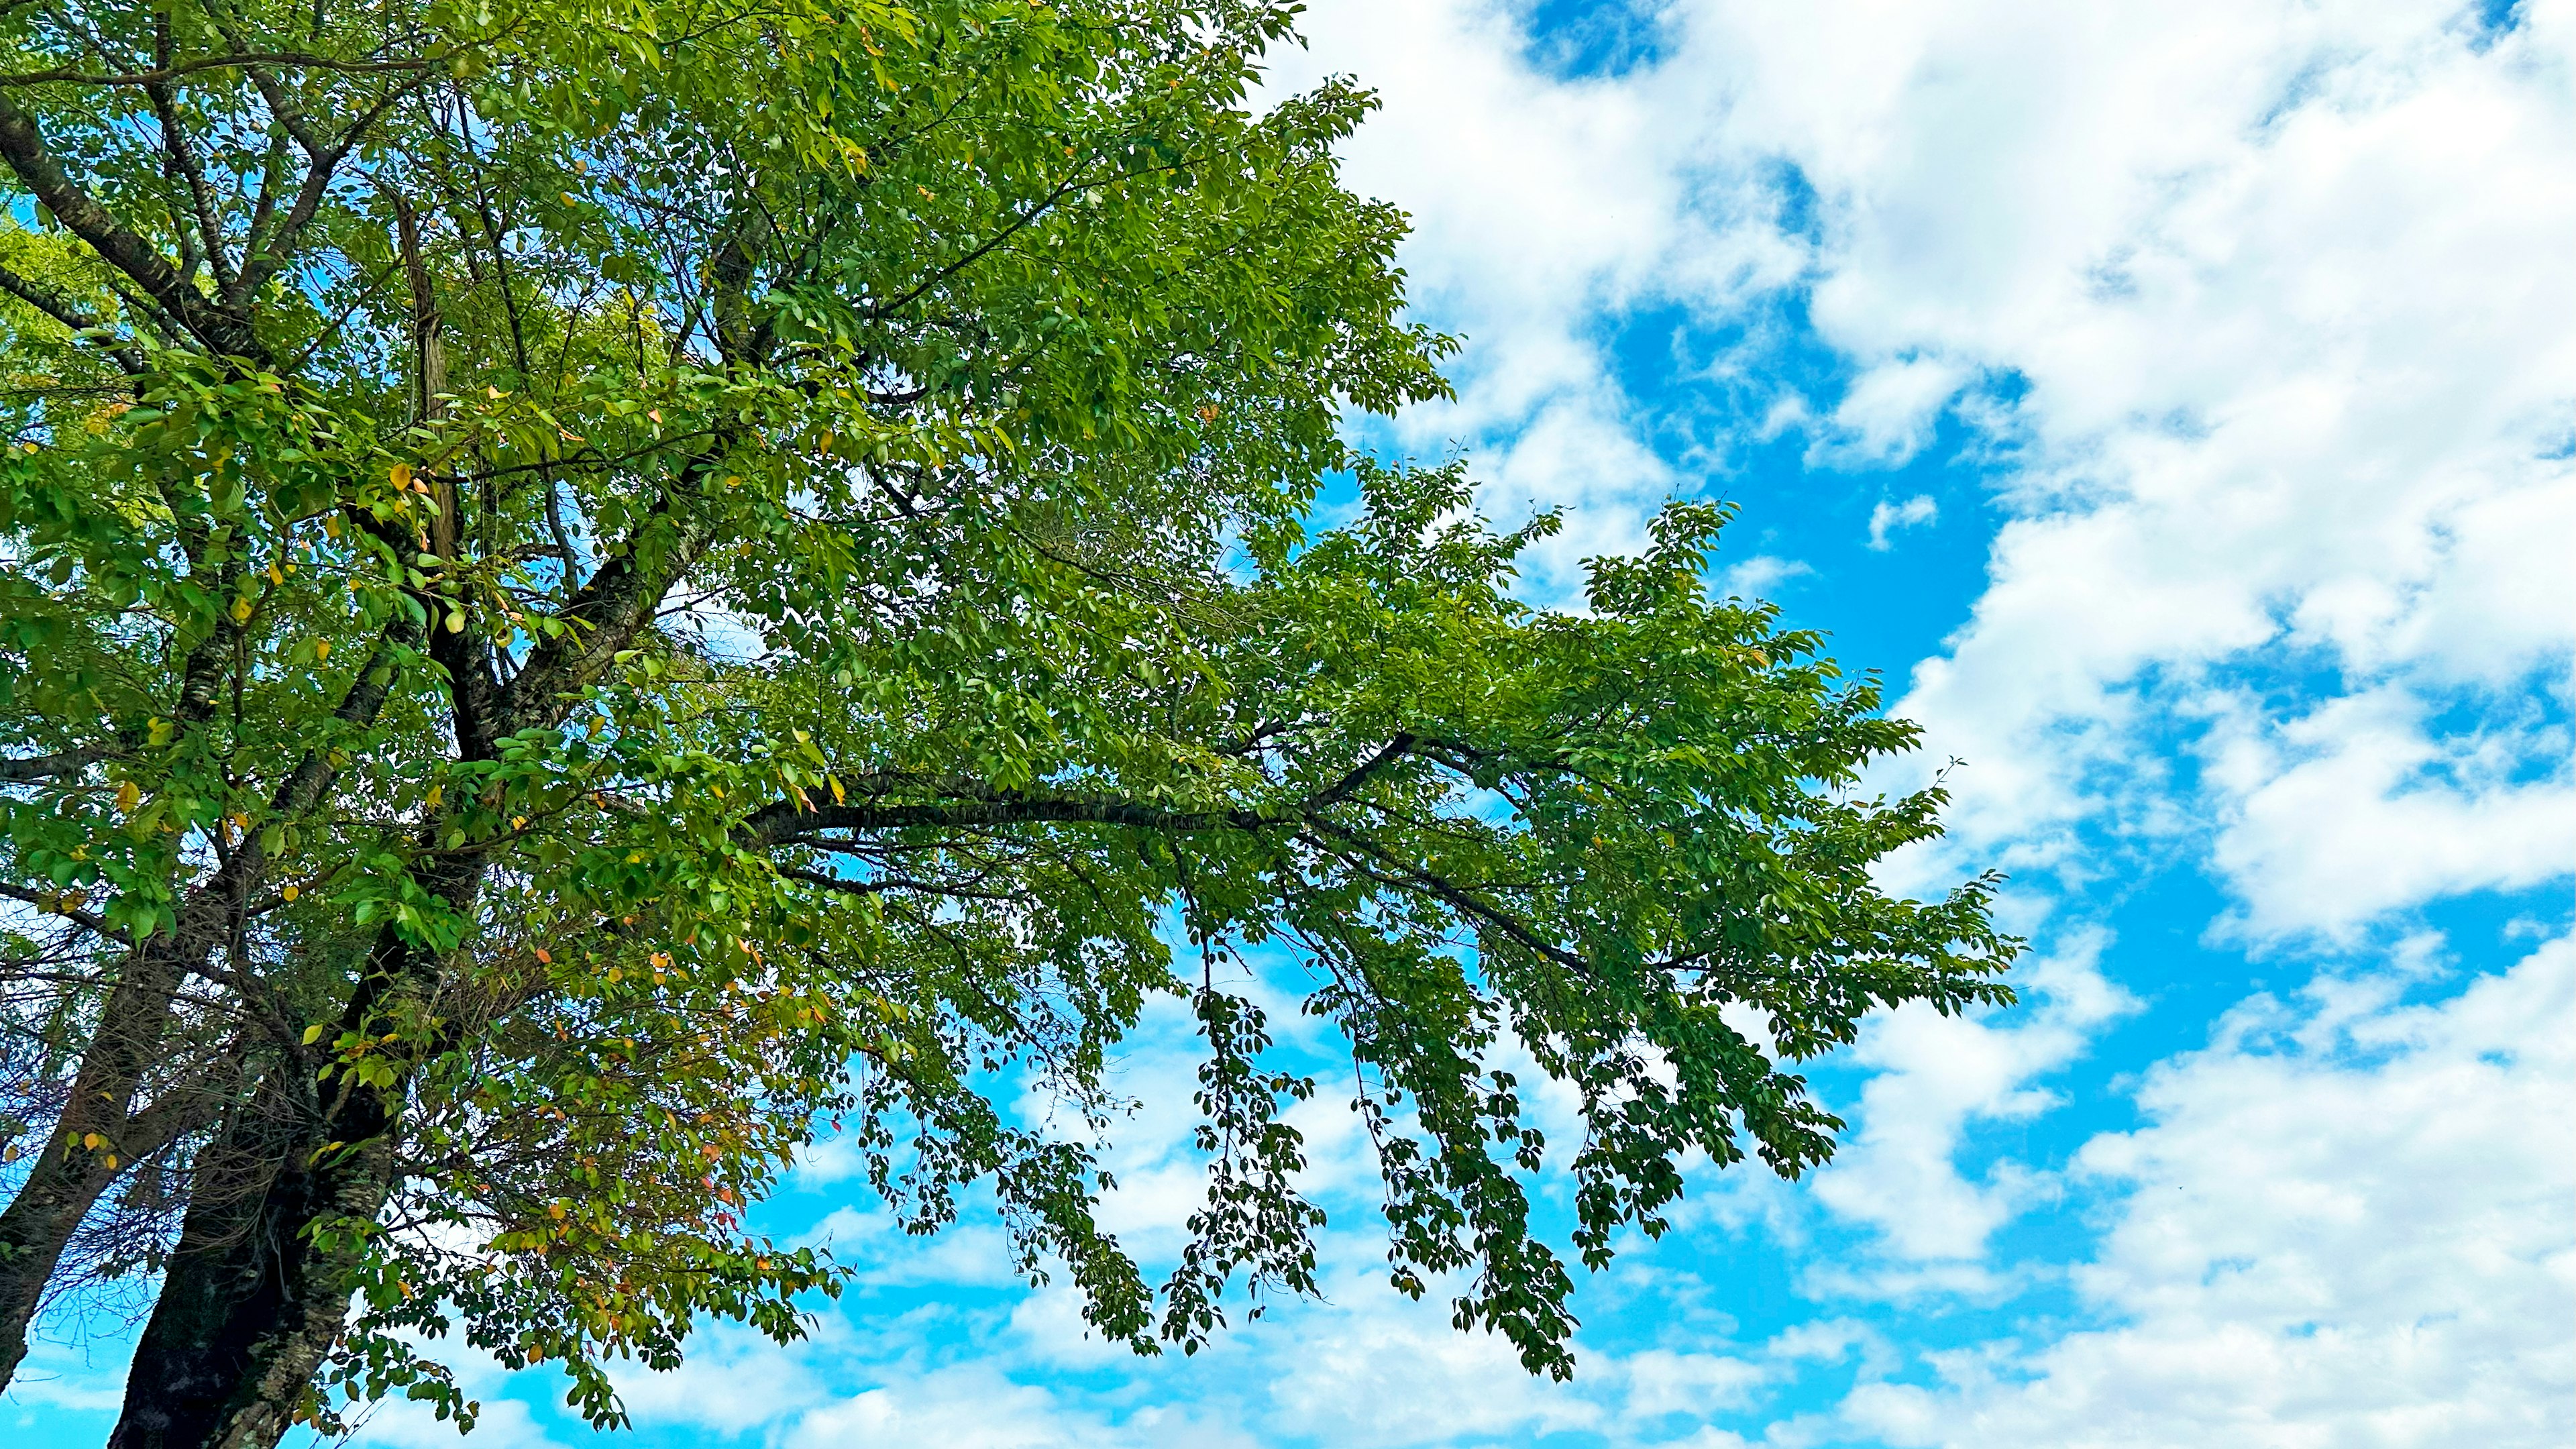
68, 1179
255, 1296
251, 1303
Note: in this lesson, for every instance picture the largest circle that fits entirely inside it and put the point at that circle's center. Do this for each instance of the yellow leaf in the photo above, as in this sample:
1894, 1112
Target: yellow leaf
321, 650
241, 611
436, 794
92, 1140
839, 796
128, 795
399, 475
290, 893
274, 576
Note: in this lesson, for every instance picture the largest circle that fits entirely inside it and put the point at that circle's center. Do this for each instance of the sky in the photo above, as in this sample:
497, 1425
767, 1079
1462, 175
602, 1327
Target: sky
2177, 403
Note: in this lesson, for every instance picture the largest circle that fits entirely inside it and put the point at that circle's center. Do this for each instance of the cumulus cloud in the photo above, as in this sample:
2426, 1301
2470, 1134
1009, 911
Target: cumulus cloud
2256, 302
1931, 1078
2286, 353
2344, 1222
2333, 816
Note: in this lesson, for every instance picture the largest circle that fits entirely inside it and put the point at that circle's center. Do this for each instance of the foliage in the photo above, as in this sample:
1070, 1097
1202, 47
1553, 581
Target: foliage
594, 590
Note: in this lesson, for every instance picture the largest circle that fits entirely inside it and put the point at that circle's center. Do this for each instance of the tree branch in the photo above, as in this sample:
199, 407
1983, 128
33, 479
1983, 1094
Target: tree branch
297, 59
777, 824
23, 146
63, 309
52, 906
45, 767
1341, 788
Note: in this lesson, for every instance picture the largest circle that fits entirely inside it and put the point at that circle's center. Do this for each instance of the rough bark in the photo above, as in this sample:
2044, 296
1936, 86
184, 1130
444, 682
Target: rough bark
258, 1289
251, 1303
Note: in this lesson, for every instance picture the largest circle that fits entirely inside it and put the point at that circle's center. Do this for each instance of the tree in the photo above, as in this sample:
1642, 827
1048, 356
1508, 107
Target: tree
594, 590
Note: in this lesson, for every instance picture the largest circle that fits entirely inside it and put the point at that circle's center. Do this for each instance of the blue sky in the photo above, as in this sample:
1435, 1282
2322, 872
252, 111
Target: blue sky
2178, 404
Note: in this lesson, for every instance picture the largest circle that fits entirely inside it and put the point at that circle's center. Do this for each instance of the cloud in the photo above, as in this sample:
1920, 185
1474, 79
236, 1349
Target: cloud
1886, 414
2344, 1222
2335, 816
1542, 206
2288, 384
1888, 517
1931, 1077
1758, 576
975, 1406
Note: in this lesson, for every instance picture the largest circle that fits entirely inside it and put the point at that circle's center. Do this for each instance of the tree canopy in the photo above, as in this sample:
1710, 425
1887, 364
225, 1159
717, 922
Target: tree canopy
593, 591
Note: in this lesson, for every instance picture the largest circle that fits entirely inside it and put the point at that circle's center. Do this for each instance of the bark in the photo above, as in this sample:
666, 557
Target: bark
251, 1302
258, 1289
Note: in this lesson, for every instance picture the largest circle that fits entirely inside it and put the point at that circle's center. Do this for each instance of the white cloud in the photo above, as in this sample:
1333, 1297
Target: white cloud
1541, 206
2334, 816
1886, 415
2262, 300
1888, 517
2344, 1223
1933, 1076
975, 1406
2292, 383
1756, 577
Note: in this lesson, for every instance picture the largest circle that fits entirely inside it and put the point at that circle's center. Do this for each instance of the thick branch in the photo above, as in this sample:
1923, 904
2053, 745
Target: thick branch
1341, 788
780, 824
296, 59
46, 767
23, 146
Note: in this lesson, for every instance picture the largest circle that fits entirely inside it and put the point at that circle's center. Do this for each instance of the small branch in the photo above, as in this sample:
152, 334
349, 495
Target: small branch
1395, 749
54, 906
63, 309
